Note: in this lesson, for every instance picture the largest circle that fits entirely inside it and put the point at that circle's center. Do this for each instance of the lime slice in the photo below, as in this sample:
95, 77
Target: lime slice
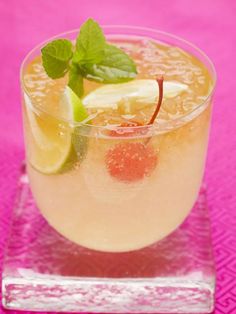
53, 145
143, 91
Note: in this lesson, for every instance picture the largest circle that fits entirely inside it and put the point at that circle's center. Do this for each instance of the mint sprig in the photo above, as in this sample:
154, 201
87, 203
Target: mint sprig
76, 80
56, 56
90, 43
91, 58
115, 67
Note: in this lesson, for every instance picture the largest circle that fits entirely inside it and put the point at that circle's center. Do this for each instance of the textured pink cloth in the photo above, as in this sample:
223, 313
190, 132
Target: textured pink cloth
210, 24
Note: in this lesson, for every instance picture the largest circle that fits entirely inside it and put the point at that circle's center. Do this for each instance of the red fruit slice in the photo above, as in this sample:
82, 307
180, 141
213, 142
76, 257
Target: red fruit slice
130, 162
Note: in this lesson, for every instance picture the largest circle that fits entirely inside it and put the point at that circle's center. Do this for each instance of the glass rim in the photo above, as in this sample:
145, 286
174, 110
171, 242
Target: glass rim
159, 128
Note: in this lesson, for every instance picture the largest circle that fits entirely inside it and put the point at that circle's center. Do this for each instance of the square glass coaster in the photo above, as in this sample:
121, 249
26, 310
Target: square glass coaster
45, 272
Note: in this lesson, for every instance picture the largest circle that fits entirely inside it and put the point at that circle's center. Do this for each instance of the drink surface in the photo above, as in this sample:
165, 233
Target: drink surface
120, 209
152, 60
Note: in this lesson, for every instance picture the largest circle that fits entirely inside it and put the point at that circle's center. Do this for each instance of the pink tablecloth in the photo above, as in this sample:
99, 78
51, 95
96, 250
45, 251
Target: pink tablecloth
210, 24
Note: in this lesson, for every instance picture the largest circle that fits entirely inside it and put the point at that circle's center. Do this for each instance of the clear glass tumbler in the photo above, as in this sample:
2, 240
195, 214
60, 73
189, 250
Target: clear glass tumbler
76, 192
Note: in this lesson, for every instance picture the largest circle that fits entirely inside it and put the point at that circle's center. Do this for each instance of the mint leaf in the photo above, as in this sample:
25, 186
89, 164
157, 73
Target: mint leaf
90, 43
77, 57
92, 58
56, 56
116, 67
76, 80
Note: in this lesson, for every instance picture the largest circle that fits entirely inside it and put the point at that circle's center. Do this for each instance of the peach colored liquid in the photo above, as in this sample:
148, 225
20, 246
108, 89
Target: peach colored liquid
89, 206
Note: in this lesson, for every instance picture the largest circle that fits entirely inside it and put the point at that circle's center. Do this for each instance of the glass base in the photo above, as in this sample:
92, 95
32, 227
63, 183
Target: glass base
45, 272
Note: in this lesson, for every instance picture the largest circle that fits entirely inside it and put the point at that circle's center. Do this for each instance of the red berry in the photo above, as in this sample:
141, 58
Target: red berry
130, 162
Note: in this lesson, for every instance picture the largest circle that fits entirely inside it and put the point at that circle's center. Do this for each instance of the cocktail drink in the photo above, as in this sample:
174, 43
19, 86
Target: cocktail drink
118, 165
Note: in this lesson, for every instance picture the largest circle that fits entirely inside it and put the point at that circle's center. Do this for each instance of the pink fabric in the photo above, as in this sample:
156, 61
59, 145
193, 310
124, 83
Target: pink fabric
209, 24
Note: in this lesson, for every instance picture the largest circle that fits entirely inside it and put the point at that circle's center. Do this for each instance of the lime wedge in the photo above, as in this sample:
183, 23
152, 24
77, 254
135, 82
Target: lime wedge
143, 91
53, 145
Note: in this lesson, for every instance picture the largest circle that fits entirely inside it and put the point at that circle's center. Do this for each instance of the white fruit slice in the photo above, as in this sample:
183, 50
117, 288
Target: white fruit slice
143, 91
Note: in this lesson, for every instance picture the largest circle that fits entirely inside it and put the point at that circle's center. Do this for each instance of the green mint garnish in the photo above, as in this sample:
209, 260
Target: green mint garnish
90, 43
56, 56
76, 80
91, 58
116, 67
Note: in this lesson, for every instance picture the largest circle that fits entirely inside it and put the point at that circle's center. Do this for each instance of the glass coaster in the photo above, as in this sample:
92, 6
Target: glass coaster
45, 272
